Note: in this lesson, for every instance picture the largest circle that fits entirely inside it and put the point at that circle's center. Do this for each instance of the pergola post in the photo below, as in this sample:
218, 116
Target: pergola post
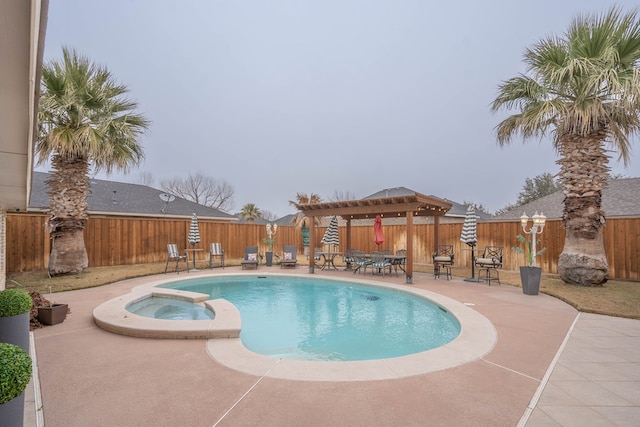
312, 244
409, 266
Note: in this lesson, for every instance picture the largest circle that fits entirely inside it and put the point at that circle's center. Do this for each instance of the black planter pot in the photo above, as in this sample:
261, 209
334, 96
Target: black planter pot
52, 315
15, 330
269, 256
530, 278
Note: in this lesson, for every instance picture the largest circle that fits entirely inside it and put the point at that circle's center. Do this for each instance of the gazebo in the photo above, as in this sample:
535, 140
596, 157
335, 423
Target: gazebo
409, 206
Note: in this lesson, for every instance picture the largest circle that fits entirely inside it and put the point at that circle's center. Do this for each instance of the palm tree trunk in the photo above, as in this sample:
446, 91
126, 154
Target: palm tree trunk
584, 174
68, 191
68, 253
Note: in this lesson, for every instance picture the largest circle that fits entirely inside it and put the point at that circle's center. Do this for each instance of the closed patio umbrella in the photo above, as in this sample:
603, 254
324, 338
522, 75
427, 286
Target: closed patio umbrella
331, 236
194, 231
378, 234
470, 237
194, 237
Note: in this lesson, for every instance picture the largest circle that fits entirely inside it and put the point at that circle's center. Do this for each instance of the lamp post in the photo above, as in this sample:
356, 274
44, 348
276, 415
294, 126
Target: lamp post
538, 225
271, 232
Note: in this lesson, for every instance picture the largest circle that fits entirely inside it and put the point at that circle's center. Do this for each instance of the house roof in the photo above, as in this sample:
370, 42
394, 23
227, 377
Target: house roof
120, 198
621, 198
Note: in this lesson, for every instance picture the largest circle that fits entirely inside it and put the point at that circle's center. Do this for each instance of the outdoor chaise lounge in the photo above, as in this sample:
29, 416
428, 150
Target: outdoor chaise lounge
250, 259
289, 256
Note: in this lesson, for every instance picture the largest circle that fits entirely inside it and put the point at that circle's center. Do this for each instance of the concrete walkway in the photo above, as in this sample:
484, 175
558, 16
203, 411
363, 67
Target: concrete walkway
596, 380
550, 367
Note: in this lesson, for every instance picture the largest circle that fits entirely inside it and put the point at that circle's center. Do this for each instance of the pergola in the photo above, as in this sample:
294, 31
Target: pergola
408, 206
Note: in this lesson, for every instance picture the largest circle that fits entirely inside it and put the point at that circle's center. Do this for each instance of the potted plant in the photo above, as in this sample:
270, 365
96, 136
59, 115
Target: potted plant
530, 274
15, 374
52, 313
15, 307
271, 232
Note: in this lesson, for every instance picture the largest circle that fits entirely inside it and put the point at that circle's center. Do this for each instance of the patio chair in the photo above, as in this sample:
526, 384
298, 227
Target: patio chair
400, 262
490, 262
379, 261
360, 260
348, 259
250, 259
215, 250
443, 259
289, 256
174, 255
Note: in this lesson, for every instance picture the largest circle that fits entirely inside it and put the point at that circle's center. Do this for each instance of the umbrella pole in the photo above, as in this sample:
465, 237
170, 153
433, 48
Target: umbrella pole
473, 265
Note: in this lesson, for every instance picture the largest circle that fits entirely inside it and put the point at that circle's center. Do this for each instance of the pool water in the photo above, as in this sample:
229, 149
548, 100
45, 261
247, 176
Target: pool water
170, 309
315, 319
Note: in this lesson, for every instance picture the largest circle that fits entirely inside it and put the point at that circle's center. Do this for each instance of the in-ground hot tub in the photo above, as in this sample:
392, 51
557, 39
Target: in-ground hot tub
222, 322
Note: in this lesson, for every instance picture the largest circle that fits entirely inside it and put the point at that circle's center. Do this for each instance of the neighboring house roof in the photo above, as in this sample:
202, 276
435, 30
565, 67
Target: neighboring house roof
261, 221
120, 198
286, 220
621, 198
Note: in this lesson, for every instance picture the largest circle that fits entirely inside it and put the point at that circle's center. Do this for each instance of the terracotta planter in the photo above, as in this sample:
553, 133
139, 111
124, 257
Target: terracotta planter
52, 315
530, 278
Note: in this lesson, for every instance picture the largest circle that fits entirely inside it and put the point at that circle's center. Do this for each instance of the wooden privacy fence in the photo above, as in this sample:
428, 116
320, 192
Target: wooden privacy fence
112, 240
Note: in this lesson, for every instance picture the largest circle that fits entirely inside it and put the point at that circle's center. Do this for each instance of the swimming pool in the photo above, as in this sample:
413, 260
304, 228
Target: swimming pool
223, 344
315, 319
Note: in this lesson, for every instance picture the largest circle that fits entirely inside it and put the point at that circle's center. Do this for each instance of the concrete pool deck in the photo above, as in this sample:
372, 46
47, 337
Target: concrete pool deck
88, 376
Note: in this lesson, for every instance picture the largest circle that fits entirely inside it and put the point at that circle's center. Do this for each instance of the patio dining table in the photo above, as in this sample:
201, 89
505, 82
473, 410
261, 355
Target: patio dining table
329, 259
395, 260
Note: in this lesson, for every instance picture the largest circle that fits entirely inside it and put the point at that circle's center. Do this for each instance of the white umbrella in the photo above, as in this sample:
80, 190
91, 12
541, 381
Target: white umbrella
470, 237
194, 231
331, 236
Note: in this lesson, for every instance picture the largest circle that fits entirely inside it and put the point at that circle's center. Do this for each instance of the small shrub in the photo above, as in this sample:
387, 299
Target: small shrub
15, 371
14, 302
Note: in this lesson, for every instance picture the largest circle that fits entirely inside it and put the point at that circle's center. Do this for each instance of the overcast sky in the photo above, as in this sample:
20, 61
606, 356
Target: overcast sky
285, 96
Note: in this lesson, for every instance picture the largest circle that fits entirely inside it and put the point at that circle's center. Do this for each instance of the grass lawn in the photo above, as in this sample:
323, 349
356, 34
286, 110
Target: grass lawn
615, 298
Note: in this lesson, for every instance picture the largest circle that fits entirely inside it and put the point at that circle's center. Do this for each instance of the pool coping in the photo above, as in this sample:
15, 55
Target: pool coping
477, 337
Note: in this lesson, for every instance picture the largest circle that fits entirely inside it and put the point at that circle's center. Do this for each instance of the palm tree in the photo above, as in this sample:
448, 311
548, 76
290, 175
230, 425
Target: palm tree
250, 212
300, 220
85, 122
304, 199
584, 88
